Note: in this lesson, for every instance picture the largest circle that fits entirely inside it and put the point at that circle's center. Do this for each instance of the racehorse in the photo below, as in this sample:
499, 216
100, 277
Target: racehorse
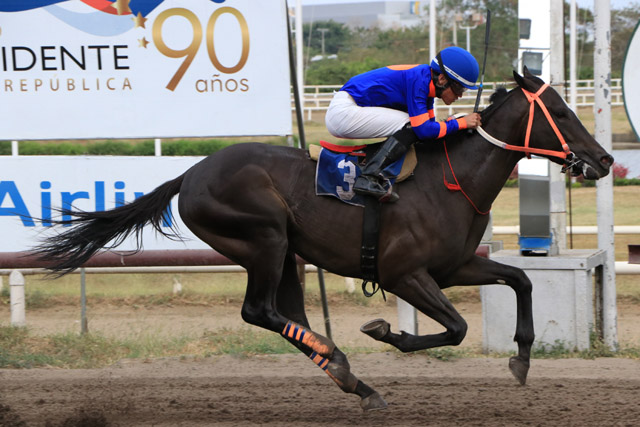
256, 204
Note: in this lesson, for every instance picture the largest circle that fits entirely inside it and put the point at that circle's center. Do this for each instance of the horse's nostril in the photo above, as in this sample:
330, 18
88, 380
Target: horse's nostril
607, 160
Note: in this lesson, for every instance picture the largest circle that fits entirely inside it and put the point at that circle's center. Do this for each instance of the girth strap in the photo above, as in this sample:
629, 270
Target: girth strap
369, 250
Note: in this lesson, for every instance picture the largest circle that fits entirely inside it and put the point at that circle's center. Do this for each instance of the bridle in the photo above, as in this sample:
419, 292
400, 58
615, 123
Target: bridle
570, 160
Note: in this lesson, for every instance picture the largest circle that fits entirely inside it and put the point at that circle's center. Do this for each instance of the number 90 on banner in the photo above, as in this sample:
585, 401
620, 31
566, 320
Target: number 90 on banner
189, 52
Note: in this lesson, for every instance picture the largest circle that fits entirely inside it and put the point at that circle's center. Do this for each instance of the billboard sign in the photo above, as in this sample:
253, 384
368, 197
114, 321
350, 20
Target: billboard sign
36, 186
85, 69
630, 81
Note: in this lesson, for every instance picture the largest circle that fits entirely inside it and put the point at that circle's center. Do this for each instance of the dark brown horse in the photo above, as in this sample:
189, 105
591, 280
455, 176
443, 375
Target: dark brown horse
256, 204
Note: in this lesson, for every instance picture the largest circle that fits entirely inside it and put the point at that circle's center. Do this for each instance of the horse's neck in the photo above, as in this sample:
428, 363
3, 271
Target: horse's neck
480, 167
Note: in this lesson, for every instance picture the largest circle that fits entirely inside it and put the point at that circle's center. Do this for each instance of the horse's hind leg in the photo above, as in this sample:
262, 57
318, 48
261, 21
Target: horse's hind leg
290, 303
252, 231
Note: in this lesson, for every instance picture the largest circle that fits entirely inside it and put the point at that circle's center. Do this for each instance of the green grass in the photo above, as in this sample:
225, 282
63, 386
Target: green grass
20, 349
626, 200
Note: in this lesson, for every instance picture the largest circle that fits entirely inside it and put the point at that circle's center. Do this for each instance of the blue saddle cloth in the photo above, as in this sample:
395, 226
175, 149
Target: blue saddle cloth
337, 172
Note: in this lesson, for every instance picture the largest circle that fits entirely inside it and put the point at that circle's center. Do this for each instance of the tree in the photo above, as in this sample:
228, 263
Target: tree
336, 36
363, 49
624, 23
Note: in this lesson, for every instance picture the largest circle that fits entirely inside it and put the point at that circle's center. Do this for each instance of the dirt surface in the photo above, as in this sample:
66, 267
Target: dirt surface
289, 390
286, 390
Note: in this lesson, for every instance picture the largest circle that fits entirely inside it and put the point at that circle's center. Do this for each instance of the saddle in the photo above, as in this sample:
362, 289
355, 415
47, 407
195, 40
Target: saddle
330, 180
363, 152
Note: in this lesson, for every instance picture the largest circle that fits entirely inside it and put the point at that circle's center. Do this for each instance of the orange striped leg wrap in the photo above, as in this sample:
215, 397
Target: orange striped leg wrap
317, 343
323, 362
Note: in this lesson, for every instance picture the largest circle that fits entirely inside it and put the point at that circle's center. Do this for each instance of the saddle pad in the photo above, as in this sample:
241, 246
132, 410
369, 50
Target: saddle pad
408, 166
337, 172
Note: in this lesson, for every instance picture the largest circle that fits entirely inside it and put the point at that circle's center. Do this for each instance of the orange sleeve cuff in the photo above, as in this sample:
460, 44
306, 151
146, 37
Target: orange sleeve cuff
418, 120
462, 123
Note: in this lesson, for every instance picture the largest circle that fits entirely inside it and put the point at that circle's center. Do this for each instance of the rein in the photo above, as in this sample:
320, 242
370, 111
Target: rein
457, 186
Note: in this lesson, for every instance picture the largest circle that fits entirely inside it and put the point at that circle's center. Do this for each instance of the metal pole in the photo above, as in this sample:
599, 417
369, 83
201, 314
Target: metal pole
572, 57
455, 33
604, 187
468, 39
557, 191
84, 326
14, 148
296, 89
158, 147
322, 31
325, 305
299, 45
432, 29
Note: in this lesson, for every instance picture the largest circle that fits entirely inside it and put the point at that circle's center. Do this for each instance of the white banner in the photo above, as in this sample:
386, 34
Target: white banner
35, 186
630, 85
143, 68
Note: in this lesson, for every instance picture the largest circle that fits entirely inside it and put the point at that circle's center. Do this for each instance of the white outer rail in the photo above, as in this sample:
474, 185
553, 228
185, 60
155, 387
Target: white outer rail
577, 229
317, 98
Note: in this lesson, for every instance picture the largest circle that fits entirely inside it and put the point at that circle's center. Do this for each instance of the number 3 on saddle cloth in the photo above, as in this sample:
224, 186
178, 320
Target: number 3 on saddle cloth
339, 167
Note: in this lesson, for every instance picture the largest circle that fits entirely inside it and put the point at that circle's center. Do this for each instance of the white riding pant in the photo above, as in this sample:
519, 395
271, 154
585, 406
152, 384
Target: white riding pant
346, 119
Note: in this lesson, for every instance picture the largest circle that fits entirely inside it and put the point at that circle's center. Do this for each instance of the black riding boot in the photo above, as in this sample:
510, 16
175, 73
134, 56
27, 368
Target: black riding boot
371, 182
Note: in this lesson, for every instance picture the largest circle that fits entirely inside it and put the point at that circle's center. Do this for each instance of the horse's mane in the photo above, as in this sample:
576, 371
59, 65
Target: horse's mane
496, 99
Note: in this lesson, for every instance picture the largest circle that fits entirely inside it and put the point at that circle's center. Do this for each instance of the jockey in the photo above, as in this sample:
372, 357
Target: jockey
397, 102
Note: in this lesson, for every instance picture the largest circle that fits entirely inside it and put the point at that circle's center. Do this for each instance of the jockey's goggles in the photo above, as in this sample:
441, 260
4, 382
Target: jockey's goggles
456, 87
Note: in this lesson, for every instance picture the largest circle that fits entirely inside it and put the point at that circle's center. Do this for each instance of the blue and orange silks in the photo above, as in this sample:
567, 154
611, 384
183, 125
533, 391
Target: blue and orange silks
406, 88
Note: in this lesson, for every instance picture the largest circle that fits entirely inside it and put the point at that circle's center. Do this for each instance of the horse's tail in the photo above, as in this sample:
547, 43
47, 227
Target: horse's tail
92, 231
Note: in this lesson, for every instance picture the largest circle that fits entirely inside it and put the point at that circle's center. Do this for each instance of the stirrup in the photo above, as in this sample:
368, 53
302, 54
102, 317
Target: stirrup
368, 189
369, 185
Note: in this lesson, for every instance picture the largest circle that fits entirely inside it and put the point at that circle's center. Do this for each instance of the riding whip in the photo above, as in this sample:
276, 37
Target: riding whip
484, 61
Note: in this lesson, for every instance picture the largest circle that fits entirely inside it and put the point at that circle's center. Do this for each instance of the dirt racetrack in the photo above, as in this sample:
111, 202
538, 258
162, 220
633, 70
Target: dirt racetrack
288, 390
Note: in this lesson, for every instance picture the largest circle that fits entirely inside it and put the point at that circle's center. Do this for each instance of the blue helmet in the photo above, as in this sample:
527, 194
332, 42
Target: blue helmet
459, 65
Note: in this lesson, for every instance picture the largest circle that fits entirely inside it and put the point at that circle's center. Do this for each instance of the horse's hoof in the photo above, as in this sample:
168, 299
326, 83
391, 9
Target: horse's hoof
373, 402
519, 368
376, 328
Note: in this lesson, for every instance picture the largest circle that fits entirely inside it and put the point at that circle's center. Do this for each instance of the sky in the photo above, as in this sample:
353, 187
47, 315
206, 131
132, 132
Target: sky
617, 4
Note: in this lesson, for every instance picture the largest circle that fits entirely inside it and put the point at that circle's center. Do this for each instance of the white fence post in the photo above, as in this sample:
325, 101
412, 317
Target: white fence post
16, 288
407, 317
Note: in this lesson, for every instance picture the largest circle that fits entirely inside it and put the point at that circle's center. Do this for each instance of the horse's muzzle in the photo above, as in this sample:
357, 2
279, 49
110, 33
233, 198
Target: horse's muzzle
579, 167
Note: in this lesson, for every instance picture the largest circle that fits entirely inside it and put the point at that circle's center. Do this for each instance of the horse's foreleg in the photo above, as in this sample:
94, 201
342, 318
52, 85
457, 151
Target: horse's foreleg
421, 291
483, 271
290, 303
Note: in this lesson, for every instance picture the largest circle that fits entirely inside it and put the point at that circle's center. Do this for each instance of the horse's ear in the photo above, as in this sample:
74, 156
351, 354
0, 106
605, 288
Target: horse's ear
519, 79
526, 73
528, 81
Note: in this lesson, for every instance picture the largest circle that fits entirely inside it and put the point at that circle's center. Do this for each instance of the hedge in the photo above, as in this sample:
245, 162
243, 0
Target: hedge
182, 147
